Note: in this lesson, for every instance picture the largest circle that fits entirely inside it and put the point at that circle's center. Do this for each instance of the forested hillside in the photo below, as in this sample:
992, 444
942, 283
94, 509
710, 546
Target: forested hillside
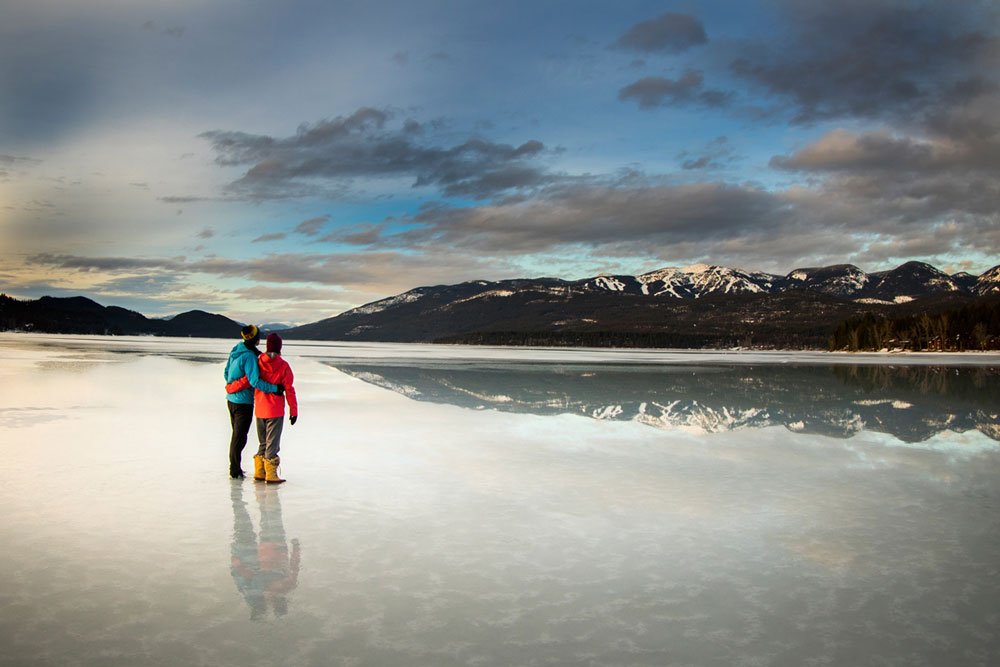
975, 326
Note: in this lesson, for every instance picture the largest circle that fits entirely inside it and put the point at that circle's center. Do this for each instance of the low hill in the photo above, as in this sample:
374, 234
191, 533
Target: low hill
80, 315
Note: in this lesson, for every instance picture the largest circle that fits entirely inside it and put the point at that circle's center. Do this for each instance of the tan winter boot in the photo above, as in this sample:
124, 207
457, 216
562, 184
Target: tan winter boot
258, 468
271, 468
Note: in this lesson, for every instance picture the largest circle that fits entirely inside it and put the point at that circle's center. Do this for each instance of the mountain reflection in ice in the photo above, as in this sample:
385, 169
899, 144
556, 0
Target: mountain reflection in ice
912, 403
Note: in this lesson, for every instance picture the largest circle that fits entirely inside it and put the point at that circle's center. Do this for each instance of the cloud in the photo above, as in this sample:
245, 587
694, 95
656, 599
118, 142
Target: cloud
16, 161
365, 234
181, 199
206, 233
81, 263
658, 91
268, 237
846, 151
906, 182
312, 226
146, 285
600, 215
325, 159
832, 221
176, 31
669, 33
714, 155
885, 59
266, 293
378, 270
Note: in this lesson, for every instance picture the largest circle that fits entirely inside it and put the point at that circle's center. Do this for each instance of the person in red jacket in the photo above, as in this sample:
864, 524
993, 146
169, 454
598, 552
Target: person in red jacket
269, 409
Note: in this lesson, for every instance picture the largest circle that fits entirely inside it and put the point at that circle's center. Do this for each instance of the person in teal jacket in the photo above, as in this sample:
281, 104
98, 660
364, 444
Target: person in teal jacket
243, 362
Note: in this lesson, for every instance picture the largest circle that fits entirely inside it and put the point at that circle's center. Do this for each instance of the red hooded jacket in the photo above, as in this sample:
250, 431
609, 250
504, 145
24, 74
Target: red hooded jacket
275, 370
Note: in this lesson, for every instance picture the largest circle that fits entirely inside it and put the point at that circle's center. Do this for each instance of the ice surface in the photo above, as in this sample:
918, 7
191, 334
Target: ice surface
451, 505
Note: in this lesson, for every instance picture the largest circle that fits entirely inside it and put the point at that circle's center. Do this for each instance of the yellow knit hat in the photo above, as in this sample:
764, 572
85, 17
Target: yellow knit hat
249, 332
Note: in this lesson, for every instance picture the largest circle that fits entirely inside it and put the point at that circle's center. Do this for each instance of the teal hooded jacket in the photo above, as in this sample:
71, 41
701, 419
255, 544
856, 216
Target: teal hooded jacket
243, 361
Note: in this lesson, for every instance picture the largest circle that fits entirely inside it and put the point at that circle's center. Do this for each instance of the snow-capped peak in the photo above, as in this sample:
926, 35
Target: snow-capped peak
658, 274
695, 269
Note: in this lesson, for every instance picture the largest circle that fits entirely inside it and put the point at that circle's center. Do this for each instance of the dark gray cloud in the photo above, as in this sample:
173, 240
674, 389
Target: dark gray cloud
206, 233
657, 91
884, 59
835, 221
669, 33
596, 215
327, 157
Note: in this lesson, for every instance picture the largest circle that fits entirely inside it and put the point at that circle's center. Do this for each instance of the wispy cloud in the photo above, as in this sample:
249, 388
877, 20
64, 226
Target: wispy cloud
269, 237
312, 226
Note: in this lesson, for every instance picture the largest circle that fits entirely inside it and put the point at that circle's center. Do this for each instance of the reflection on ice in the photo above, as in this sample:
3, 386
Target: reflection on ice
262, 568
911, 403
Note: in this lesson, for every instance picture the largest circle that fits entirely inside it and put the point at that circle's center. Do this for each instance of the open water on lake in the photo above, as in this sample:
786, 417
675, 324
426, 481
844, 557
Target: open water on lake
477, 506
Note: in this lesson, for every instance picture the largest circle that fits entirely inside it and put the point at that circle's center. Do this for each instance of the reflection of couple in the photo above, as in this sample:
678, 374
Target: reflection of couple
262, 569
258, 385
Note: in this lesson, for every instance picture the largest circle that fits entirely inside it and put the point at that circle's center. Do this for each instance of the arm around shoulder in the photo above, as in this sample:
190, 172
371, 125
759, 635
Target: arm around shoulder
238, 385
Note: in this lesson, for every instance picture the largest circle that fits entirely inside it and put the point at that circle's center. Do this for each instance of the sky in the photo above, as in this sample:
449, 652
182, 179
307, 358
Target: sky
286, 161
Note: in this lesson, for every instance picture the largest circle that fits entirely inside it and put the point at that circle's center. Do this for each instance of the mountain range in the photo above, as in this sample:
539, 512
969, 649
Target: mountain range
696, 306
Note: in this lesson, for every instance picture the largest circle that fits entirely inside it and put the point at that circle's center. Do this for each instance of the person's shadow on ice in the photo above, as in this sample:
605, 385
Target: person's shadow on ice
262, 569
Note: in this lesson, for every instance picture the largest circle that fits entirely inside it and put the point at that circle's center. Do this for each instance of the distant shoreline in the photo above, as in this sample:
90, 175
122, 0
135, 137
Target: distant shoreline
423, 353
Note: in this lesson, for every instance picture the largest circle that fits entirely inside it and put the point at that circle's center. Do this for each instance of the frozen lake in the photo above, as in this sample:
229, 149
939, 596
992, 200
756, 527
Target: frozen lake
475, 506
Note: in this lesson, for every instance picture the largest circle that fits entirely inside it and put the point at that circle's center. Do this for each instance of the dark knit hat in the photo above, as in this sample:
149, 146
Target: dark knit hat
274, 343
250, 332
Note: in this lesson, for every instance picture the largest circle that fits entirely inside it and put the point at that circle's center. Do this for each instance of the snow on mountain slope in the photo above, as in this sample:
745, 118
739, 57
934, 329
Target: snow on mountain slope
701, 279
378, 306
609, 283
988, 282
706, 279
909, 281
845, 280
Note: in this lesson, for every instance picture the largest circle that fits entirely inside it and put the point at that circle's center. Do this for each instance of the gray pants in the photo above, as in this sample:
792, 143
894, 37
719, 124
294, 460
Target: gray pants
269, 436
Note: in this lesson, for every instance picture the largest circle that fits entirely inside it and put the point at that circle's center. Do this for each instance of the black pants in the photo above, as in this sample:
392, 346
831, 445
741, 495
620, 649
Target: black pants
240, 416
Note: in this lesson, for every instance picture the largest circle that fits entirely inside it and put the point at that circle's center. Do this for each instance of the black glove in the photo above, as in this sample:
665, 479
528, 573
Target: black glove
280, 389
293, 419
